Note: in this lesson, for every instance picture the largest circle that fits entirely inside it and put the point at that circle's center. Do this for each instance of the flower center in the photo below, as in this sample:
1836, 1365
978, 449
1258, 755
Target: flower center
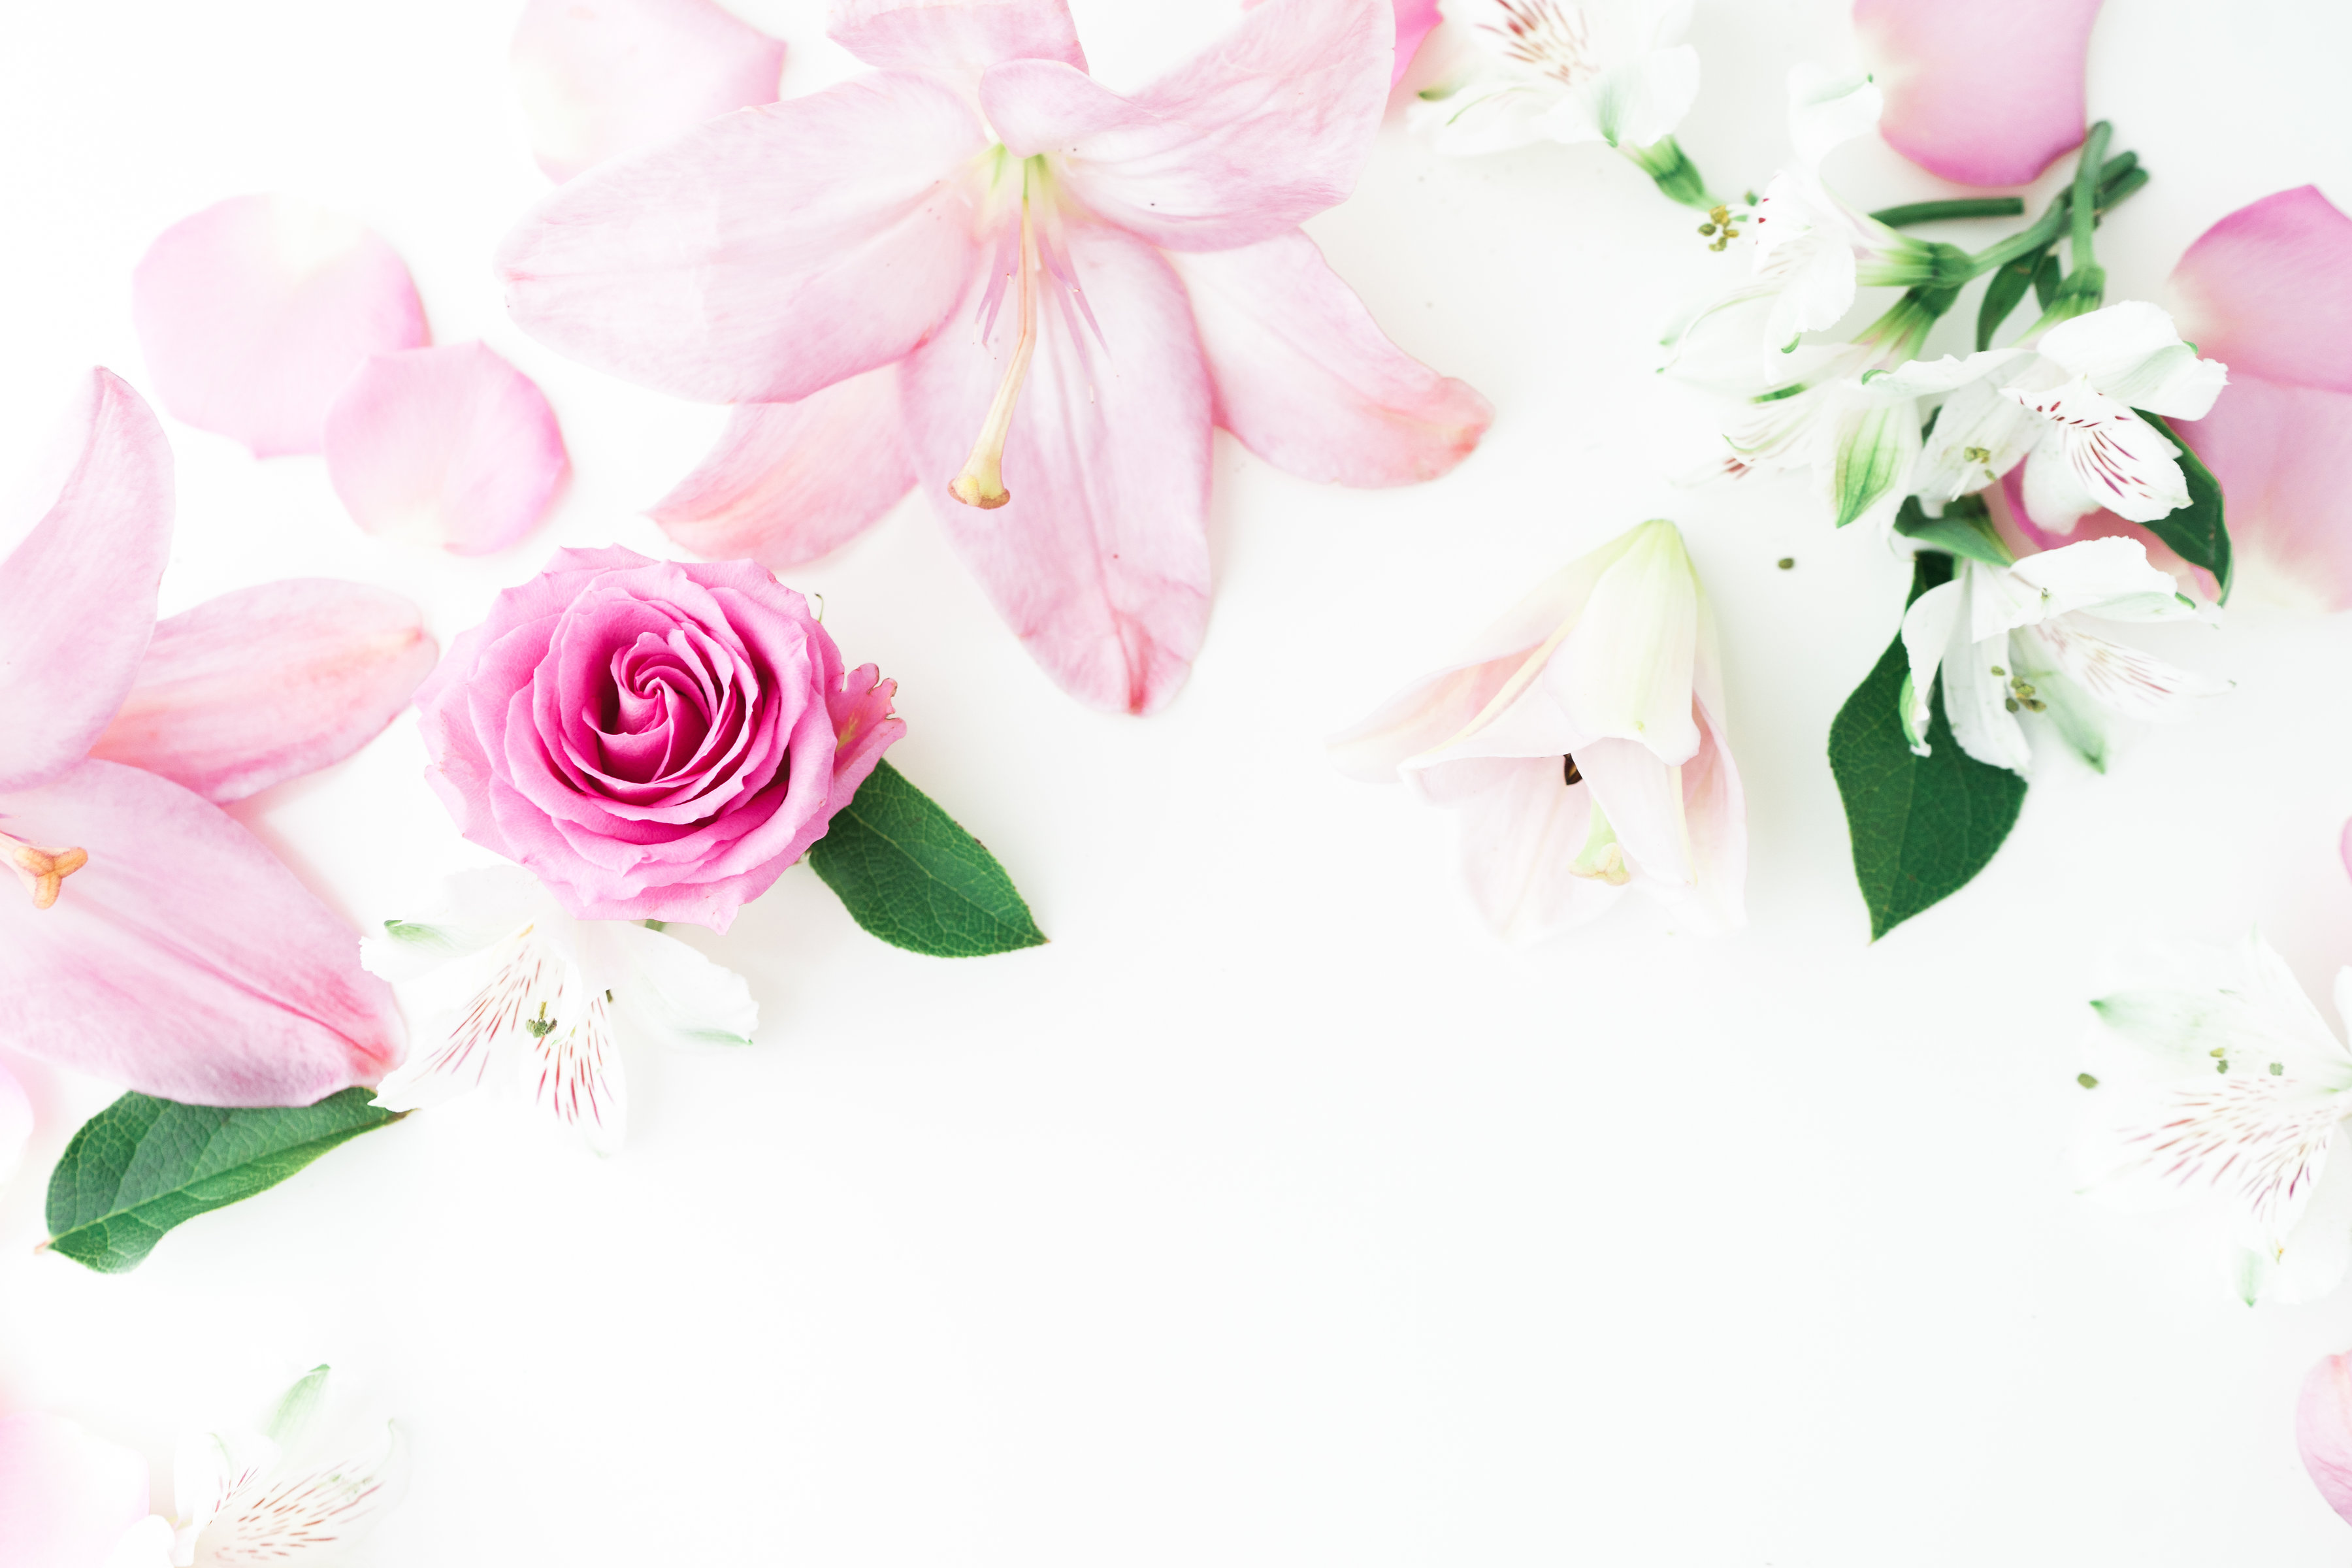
43, 871
1545, 38
982, 481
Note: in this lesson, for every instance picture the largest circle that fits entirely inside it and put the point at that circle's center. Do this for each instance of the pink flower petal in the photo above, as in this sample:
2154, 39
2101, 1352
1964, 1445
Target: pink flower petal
1309, 382
789, 482
1414, 19
599, 78
1265, 129
1985, 93
66, 1498
451, 446
183, 960
254, 312
863, 729
2323, 1431
269, 683
78, 594
1100, 559
2265, 291
957, 37
15, 1128
764, 255
2281, 453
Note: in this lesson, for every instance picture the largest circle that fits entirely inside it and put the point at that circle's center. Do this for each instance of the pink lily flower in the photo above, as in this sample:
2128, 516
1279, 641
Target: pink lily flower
1414, 20
978, 271
609, 78
2265, 290
1988, 92
67, 1499
159, 944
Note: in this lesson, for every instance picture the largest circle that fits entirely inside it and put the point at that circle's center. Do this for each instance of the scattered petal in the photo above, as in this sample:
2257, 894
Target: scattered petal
2262, 290
2323, 1431
66, 1498
15, 1122
599, 78
1987, 93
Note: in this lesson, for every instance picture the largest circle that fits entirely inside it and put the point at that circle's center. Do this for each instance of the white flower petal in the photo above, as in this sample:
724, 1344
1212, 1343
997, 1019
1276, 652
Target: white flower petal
2310, 1260
1521, 829
1927, 628
1828, 107
2111, 457
2109, 577
1976, 702
210, 1468
1626, 670
665, 991
518, 982
573, 1064
2111, 346
467, 913
309, 1516
1979, 435
2121, 680
1637, 103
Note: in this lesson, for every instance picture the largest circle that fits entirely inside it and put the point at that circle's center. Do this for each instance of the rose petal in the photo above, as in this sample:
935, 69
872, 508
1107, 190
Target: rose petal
2262, 290
1263, 130
2281, 454
2323, 1431
1307, 381
1100, 559
1987, 93
77, 596
603, 78
254, 312
862, 728
183, 960
957, 37
451, 444
762, 256
789, 482
268, 683
66, 1498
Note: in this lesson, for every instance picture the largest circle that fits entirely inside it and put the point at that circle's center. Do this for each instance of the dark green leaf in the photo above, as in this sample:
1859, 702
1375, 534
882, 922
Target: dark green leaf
911, 876
1965, 528
142, 1165
2047, 275
2195, 533
1922, 826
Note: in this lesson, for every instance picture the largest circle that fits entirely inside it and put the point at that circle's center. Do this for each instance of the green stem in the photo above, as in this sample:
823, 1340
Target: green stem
2087, 180
1934, 212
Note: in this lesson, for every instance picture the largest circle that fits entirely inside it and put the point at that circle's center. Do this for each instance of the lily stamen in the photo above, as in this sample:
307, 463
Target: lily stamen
981, 482
43, 871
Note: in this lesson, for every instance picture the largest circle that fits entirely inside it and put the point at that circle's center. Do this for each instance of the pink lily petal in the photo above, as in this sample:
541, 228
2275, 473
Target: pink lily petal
16, 1124
254, 312
609, 77
1715, 813
789, 482
269, 683
2264, 291
66, 1498
451, 446
1644, 799
1100, 559
1307, 381
77, 596
863, 729
2323, 1431
1521, 827
2281, 454
1414, 19
1987, 93
1265, 129
799, 244
185, 960
957, 38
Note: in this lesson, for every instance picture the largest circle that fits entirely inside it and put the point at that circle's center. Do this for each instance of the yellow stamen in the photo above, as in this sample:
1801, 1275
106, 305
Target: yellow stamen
43, 871
981, 482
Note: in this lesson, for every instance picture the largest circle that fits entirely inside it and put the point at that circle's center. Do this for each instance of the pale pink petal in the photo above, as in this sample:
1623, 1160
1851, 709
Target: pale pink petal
2008, 500
185, 960
1985, 93
957, 37
1414, 19
15, 1121
449, 446
863, 729
2265, 291
1419, 719
793, 481
254, 312
1307, 381
1100, 559
2323, 1431
266, 684
599, 78
78, 594
2281, 454
66, 1498
766, 254
1266, 128
1715, 812
1522, 826
1644, 799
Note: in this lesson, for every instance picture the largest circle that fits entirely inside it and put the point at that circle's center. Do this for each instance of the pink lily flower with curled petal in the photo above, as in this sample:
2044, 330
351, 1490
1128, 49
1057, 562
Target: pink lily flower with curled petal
157, 942
1988, 92
980, 271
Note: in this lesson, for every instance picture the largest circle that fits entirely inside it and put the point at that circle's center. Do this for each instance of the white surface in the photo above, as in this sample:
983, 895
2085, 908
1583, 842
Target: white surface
1274, 1213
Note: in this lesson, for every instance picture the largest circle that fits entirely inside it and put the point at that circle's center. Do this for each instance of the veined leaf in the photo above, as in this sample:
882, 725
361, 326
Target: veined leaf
913, 877
1922, 826
142, 1165
2195, 533
1965, 528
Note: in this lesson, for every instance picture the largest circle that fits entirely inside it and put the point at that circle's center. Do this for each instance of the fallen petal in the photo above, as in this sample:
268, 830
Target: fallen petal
268, 683
66, 1498
2262, 290
955, 37
15, 1122
2281, 453
185, 960
2323, 1431
254, 312
449, 446
1986, 94
77, 596
601, 78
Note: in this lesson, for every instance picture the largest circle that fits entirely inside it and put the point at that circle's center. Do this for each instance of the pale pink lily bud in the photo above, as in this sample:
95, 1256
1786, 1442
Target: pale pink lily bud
1582, 737
2322, 1430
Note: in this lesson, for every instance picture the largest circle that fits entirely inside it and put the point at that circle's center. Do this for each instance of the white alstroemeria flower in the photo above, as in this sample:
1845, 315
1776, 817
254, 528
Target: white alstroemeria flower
1563, 71
2231, 1090
1835, 417
2015, 639
267, 1496
504, 977
2065, 405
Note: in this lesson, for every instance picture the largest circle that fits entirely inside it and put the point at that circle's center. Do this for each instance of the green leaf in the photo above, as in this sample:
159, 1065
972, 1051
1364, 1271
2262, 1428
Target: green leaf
2004, 292
1965, 528
2195, 533
911, 876
1922, 826
142, 1165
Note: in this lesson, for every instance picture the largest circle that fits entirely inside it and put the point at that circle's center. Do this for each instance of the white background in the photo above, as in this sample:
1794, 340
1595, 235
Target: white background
1274, 1214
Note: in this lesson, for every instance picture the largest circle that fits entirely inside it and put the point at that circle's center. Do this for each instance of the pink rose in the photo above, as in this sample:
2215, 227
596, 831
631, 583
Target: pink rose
654, 741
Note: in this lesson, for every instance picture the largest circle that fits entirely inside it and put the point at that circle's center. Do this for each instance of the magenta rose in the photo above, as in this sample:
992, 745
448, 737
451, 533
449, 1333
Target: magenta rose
655, 741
